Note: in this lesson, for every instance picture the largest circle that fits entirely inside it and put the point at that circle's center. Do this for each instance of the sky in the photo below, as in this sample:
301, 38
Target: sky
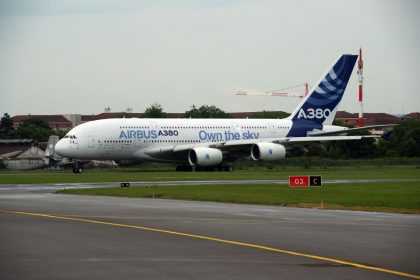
81, 56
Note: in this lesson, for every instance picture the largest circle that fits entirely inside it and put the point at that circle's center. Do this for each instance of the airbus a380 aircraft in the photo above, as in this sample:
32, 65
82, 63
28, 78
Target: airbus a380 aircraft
208, 144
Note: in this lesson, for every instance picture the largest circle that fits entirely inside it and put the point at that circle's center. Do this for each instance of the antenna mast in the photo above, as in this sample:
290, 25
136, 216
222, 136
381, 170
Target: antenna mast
360, 73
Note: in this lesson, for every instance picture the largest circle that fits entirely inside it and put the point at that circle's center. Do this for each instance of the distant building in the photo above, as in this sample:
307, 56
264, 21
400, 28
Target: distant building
347, 118
380, 118
112, 115
58, 122
412, 116
109, 115
368, 118
75, 119
66, 122
8, 147
21, 154
27, 154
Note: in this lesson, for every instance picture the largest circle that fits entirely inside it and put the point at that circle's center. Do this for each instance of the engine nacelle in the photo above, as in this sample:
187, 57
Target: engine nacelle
267, 151
205, 156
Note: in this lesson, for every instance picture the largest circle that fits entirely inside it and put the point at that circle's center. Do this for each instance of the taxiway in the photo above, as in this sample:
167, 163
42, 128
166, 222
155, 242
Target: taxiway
51, 236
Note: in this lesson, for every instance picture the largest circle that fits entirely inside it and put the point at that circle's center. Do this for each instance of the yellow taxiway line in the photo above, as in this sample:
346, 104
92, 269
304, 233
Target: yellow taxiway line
250, 245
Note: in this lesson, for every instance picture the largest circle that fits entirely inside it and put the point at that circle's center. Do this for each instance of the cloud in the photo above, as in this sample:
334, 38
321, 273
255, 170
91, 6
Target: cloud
86, 55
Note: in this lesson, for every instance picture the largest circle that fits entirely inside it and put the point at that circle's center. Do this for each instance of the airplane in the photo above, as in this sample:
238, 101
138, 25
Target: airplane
209, 144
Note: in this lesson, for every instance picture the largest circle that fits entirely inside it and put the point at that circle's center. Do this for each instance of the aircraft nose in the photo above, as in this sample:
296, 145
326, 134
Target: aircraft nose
60, 148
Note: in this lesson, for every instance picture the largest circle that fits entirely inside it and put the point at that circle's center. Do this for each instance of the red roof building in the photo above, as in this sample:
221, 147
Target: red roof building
412, 116
112, 115
61, 122
368, 118
58, 122
379, 118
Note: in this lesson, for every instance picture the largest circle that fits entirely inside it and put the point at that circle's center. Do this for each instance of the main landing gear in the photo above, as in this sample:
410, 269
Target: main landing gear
77, 169
189, 168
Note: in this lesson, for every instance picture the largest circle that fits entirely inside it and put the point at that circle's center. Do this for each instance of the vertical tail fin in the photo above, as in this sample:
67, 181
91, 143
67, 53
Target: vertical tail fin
320, 106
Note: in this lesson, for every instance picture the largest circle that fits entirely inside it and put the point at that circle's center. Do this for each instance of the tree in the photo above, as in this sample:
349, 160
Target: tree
60, 133
341, 123
206, 111
269, 115
363, 148
404, 140
6, 125
34, 129
154, 111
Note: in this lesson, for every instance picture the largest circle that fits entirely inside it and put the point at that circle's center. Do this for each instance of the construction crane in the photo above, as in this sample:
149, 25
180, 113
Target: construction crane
284, 92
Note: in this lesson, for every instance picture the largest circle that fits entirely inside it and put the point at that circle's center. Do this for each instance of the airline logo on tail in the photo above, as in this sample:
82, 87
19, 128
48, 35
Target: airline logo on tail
321, 103
314, 114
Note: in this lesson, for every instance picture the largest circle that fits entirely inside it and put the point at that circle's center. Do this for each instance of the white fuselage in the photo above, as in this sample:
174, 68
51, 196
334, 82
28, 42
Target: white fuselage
209, 142
129, 139
123, 139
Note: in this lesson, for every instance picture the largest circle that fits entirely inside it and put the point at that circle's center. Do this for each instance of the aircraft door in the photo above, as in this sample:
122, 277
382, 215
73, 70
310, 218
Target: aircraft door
272, 126
91, 142
236, 127
154, 125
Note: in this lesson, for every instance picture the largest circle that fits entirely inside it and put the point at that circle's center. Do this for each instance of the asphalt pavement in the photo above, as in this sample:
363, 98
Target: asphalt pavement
54, 236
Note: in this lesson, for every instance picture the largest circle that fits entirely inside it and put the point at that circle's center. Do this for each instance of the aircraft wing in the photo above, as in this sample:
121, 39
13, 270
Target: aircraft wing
286, 141
309, 139
153, 151
289, 142
357, 129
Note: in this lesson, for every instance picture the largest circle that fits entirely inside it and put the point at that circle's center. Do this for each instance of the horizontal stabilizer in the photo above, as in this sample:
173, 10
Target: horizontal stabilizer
346, 131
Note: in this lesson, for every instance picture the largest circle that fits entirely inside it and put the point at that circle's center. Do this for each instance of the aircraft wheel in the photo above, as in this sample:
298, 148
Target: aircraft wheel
77, 169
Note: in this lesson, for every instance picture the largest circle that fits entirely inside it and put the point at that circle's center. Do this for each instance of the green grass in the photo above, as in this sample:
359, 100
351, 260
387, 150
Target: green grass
133, 175
390, 197
387, 197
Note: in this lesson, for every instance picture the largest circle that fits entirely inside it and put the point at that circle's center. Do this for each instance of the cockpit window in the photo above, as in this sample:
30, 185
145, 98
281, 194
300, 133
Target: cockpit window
70, 136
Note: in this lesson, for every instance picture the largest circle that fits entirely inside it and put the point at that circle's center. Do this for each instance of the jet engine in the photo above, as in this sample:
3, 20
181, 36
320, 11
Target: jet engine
205, 156
267, 151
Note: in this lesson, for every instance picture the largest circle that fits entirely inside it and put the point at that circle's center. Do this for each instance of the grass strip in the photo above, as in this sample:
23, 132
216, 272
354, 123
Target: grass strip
122, 175
378, 197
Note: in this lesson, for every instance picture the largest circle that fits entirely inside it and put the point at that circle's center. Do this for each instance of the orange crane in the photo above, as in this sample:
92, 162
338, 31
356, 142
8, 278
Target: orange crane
278, 93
